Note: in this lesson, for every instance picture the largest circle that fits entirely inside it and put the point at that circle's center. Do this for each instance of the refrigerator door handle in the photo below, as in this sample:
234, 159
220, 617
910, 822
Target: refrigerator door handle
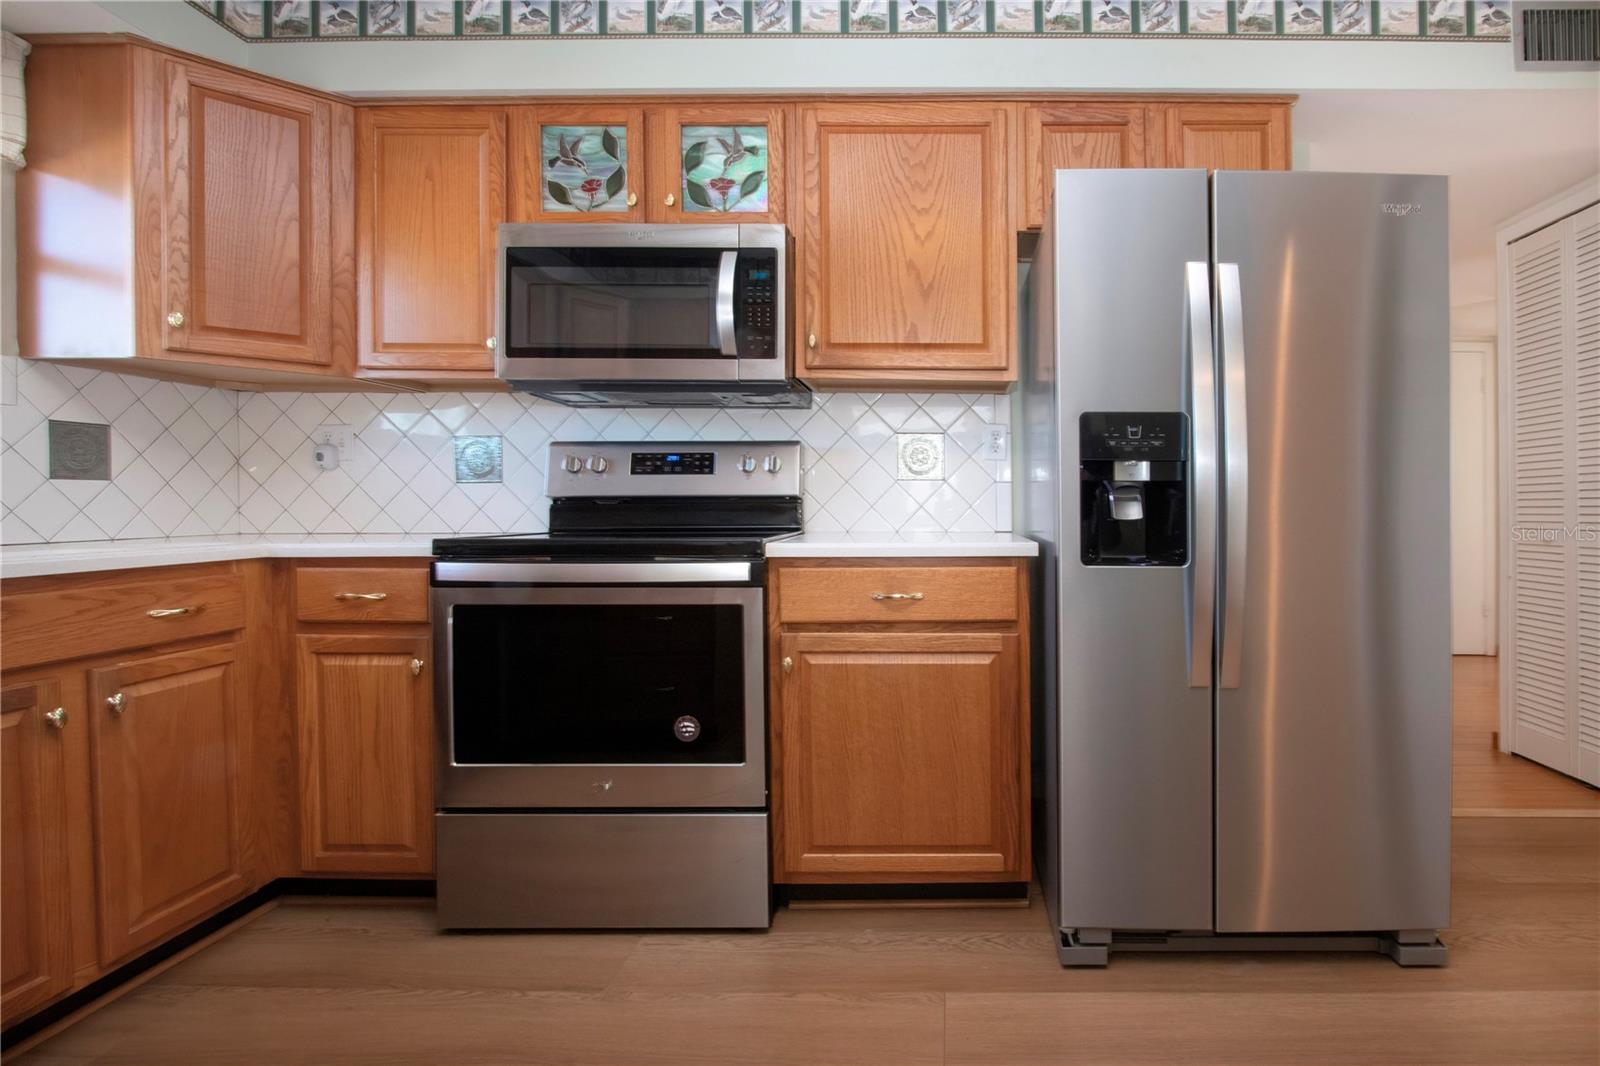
1236, 473
1201, 589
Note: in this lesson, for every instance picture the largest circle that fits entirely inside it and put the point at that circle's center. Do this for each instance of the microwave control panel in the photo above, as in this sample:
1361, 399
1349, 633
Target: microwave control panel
757, 298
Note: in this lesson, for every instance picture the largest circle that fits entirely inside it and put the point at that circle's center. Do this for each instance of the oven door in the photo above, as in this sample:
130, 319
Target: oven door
599, 697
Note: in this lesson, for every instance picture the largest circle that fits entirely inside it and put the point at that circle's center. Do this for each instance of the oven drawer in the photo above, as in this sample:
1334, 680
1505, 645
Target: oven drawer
897, 594
597, 870
361, 594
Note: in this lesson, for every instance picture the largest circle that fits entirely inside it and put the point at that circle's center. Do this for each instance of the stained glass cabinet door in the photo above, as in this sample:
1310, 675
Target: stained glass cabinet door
578, 164
721, 163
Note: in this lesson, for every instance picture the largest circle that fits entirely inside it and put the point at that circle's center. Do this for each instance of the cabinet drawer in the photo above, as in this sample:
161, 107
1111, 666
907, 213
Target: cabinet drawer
361, 594
897, 594
72, 621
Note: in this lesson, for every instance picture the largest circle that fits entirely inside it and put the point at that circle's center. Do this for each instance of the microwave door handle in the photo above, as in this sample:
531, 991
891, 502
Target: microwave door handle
727, 342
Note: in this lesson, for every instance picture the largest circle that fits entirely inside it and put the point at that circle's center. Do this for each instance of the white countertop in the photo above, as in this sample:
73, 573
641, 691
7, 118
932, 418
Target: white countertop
78, 557
901, 546
34, 560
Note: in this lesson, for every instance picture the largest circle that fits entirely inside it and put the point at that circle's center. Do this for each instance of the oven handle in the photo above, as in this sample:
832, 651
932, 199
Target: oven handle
501, 573
725, 332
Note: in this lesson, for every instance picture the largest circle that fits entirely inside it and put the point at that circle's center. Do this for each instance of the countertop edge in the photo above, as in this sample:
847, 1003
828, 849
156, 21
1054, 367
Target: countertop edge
53, 561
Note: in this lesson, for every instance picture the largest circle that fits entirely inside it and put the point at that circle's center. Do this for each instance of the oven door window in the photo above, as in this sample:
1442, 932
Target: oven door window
612, 303
598, 684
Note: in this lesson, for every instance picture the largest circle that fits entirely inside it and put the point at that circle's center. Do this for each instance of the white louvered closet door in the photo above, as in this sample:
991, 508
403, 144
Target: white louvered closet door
1553, 643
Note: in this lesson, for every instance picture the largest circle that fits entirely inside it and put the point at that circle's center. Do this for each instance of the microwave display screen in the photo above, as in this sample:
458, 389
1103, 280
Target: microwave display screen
612, 303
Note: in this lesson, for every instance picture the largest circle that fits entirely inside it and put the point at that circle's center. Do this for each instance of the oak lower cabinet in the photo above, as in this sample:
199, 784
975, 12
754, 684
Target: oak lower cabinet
366, 772
164, 730
35, 949
906, 246
900, 728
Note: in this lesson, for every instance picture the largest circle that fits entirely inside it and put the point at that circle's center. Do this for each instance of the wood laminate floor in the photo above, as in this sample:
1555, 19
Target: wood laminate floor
1485, 780
313, 982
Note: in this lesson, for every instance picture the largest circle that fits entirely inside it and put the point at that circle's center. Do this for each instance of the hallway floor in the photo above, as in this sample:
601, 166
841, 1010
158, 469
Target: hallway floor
1487, 781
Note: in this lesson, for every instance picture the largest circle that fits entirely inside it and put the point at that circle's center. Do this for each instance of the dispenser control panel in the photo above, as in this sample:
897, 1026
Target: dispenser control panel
1147, 436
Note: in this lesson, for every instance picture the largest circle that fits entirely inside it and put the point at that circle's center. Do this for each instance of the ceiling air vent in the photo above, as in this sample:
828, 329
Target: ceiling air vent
1557, 36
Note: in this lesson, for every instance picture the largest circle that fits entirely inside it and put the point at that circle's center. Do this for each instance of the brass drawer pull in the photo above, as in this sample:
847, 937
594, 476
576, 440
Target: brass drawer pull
171, 612
897, 596
373, 596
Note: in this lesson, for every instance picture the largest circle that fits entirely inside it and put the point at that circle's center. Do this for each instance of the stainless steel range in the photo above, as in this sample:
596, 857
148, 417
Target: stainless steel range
602, 710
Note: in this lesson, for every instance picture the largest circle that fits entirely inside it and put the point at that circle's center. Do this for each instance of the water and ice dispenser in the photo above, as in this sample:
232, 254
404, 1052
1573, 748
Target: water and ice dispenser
1133, 488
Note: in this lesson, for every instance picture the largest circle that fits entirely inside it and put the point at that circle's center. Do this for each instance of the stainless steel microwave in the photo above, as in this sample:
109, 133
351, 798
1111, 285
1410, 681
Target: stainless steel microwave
617, 315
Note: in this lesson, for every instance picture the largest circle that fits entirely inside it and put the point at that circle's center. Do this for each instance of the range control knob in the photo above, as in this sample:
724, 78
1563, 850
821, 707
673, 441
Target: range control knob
599, 464
572, 464
747, 463
772, 464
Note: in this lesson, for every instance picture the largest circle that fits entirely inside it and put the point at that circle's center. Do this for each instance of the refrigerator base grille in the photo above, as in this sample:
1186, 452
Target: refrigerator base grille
1426, 950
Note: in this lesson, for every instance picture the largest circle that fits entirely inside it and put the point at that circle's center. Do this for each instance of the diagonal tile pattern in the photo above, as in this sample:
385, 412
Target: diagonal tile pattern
190, 460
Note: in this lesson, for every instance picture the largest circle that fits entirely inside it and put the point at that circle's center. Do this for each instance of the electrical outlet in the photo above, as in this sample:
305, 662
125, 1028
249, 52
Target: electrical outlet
334, 434
996, 443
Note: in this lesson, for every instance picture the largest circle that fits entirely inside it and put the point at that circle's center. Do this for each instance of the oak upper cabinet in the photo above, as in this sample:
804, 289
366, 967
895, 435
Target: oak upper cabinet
248, 218
717, 163
578, 163
1229, 135
906, 245
1077, 135
899, 723
366, 771
166, 801
35, 949
430, 195
202, 228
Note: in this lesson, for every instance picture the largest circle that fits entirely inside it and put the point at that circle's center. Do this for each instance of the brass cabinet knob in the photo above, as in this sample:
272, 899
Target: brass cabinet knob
118, 703
811, 340
175, 319
57, 717
489, 344
633, 198
416, 667
670, 200
788, 664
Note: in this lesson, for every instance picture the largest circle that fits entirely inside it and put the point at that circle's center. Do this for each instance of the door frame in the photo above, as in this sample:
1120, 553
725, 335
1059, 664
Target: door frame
1482, 352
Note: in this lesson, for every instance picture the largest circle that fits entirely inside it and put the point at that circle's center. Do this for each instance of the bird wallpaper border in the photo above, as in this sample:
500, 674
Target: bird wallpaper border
422, 20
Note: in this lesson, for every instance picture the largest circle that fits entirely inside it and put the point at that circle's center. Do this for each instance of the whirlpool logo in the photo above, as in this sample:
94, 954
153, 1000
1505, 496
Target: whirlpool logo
1402, 210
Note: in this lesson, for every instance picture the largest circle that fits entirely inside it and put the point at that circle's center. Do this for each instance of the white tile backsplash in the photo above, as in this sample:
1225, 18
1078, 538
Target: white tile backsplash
193, 460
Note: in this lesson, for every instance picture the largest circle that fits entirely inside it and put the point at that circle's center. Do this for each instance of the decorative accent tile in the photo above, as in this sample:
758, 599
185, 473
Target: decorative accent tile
1158, 16
388, 18
1256, 16
479, 460
724, 16
869, 16
1491, 18
820, 16
966, 16
80, 451
920, 456
674, 16
772, 16
724, 168
1303, 16
433, 18
585, 168
1110, 16
1398, 18
1447, 18
917, 16
242, 17
1015, 16
1209, 16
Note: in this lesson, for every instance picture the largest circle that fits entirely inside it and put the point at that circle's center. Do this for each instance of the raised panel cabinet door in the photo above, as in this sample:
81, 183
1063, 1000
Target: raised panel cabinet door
430, 195
1078, 136
717, 163
166, 773
248, 218
578, 163
35, 945
907, 244
1227, 136
366, 766
901, 757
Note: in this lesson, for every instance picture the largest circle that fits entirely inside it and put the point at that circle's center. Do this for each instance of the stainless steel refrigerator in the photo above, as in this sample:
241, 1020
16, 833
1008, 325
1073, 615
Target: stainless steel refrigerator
1235, 455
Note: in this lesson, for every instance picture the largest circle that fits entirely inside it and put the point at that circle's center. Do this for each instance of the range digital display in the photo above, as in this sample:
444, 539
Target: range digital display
673, 463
